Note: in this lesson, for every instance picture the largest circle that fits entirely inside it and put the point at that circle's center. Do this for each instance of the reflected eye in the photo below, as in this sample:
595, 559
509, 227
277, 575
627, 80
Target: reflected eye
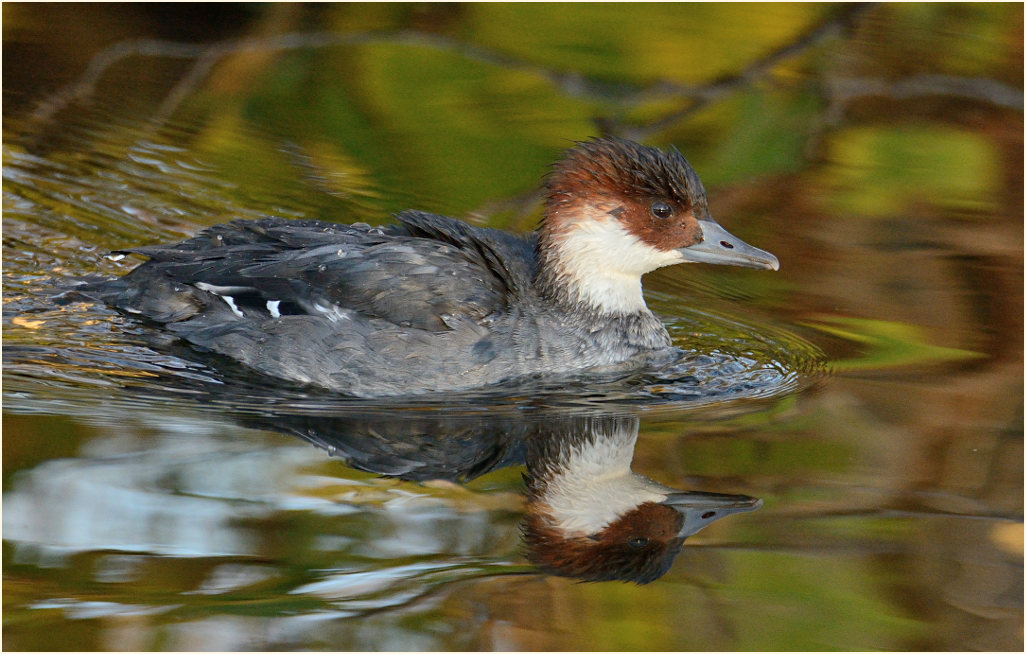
661, 209
637, 542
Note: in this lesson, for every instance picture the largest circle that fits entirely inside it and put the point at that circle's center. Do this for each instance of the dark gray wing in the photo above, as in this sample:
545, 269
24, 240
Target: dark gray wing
424, 273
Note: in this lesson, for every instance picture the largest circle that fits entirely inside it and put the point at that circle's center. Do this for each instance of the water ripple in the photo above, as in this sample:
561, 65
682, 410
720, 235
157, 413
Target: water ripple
105, 184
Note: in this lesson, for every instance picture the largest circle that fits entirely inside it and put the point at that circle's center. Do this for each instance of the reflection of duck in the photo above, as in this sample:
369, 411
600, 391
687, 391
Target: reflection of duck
434, 303
590, 517
587, 514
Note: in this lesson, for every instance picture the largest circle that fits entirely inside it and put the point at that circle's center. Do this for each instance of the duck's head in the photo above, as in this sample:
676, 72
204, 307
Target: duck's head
616, 210
589, 516
639, 545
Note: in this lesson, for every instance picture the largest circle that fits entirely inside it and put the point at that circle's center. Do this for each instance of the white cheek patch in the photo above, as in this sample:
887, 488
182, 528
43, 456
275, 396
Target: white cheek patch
591, 507
595, 485
604, 263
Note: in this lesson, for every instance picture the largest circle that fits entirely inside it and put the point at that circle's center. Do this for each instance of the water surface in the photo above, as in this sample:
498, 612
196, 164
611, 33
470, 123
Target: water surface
870, 391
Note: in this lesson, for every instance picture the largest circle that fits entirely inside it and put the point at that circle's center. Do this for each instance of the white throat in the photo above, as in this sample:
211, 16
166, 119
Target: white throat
595, 484
602, 263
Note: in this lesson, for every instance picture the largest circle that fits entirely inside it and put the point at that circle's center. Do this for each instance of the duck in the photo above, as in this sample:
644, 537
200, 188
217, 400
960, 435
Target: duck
589, 516
433, 304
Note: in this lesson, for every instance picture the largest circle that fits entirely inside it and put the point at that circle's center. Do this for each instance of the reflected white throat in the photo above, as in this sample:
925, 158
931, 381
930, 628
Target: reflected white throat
595, 485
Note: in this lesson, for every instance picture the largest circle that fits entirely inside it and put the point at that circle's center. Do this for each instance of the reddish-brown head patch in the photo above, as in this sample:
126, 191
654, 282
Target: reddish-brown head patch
655, 195
639, 546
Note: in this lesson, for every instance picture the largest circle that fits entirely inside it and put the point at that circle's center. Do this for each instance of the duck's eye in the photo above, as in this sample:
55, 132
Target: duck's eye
637, 542
661, 209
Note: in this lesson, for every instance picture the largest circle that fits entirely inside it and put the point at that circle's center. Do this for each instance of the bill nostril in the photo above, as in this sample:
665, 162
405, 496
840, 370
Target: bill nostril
727, 244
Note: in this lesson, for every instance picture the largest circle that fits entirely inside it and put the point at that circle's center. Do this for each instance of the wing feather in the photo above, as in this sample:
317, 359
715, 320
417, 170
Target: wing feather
429, 272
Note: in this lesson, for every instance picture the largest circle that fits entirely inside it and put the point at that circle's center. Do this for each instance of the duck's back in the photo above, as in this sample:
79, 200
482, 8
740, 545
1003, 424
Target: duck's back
408, 308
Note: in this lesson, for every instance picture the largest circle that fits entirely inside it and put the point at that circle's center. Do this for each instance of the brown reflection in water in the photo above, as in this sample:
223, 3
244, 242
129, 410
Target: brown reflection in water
587, 515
